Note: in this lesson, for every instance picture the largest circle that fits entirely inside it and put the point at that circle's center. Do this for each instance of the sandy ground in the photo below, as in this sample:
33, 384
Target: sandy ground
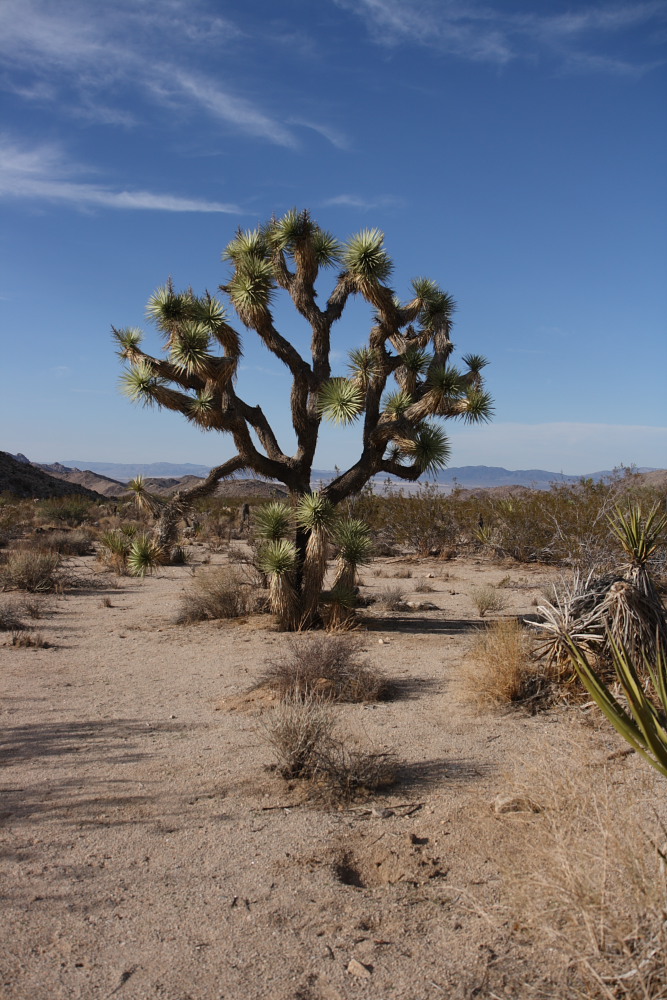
149, 852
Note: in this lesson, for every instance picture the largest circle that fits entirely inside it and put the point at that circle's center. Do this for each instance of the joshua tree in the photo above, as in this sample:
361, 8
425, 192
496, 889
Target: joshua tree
400, 381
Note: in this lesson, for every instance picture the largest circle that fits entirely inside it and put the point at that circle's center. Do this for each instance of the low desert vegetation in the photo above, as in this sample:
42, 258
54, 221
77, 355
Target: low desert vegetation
501, 670
78, 542
10, 618
588, 877
487, 599
307, 745
327, 667
216, 593
32, 569
22, 639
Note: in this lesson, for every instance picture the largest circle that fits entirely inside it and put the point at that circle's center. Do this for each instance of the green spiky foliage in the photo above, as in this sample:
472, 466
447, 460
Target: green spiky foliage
640, 717
144, 556
315, 514
273, 521
355, 545
278, 560
401, 380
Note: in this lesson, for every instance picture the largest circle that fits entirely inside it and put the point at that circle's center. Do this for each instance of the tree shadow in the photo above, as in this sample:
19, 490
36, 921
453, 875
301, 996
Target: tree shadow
423, 774
111, 741
425, 626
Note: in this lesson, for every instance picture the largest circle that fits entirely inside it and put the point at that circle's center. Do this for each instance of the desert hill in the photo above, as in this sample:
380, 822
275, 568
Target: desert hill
22, 479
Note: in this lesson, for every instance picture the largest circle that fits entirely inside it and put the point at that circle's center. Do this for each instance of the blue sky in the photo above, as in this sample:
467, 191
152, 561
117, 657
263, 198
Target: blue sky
513, 151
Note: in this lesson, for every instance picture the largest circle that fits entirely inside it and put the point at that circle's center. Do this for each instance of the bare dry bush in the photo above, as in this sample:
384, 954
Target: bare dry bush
10, 618
487, 599
28, 640
500, 670
392, 599
220, 592
77, 542
306, 746
325, 666
587, 877
31, 569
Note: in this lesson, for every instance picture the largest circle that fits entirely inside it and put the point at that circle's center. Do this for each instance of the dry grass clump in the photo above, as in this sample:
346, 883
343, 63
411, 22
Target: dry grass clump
222, 592
487, 599
304, 741
587, 877
10, 618
31, 569
28, 640
501, 671
325, 666
424, 587
68, 543
392, 599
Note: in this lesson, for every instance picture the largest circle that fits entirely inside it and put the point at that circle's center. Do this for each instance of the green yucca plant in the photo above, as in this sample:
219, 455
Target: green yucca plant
316, 515
277, 558
639, 535
273, 520
643, 723
144, 555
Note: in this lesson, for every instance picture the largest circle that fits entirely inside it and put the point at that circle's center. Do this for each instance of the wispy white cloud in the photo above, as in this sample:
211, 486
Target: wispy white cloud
41, 173
332, 135
483, 32
228, 108
97, 67
356, 201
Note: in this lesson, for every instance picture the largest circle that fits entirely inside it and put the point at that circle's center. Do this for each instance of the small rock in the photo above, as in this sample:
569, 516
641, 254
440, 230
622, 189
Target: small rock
357, 969
515, 804
383, 642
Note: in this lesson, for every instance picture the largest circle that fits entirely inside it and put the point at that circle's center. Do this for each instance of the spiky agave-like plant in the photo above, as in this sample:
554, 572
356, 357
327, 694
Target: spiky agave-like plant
401, 384
641, 720
355, 546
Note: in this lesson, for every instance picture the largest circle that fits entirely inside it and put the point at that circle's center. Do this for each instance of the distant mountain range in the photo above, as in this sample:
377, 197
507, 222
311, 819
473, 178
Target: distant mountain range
468, 476
22, 477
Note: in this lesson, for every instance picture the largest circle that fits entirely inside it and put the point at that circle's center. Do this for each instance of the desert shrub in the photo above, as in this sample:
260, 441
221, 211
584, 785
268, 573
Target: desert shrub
500, 670
487, 599
31, 569
587, 877
424, 587
179, 556
303, 737
28, 640
72, 510
36, 607
114, 549
392, 599
68, 543
10, 618
325, 666
220, 592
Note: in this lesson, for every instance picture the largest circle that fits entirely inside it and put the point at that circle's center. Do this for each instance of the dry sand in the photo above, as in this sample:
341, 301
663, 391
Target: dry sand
149, 852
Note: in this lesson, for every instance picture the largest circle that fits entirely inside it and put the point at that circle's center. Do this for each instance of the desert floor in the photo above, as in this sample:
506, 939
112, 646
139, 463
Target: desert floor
149, 851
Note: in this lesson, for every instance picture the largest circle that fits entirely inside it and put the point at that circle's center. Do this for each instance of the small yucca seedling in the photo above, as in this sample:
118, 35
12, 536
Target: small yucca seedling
144, 556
